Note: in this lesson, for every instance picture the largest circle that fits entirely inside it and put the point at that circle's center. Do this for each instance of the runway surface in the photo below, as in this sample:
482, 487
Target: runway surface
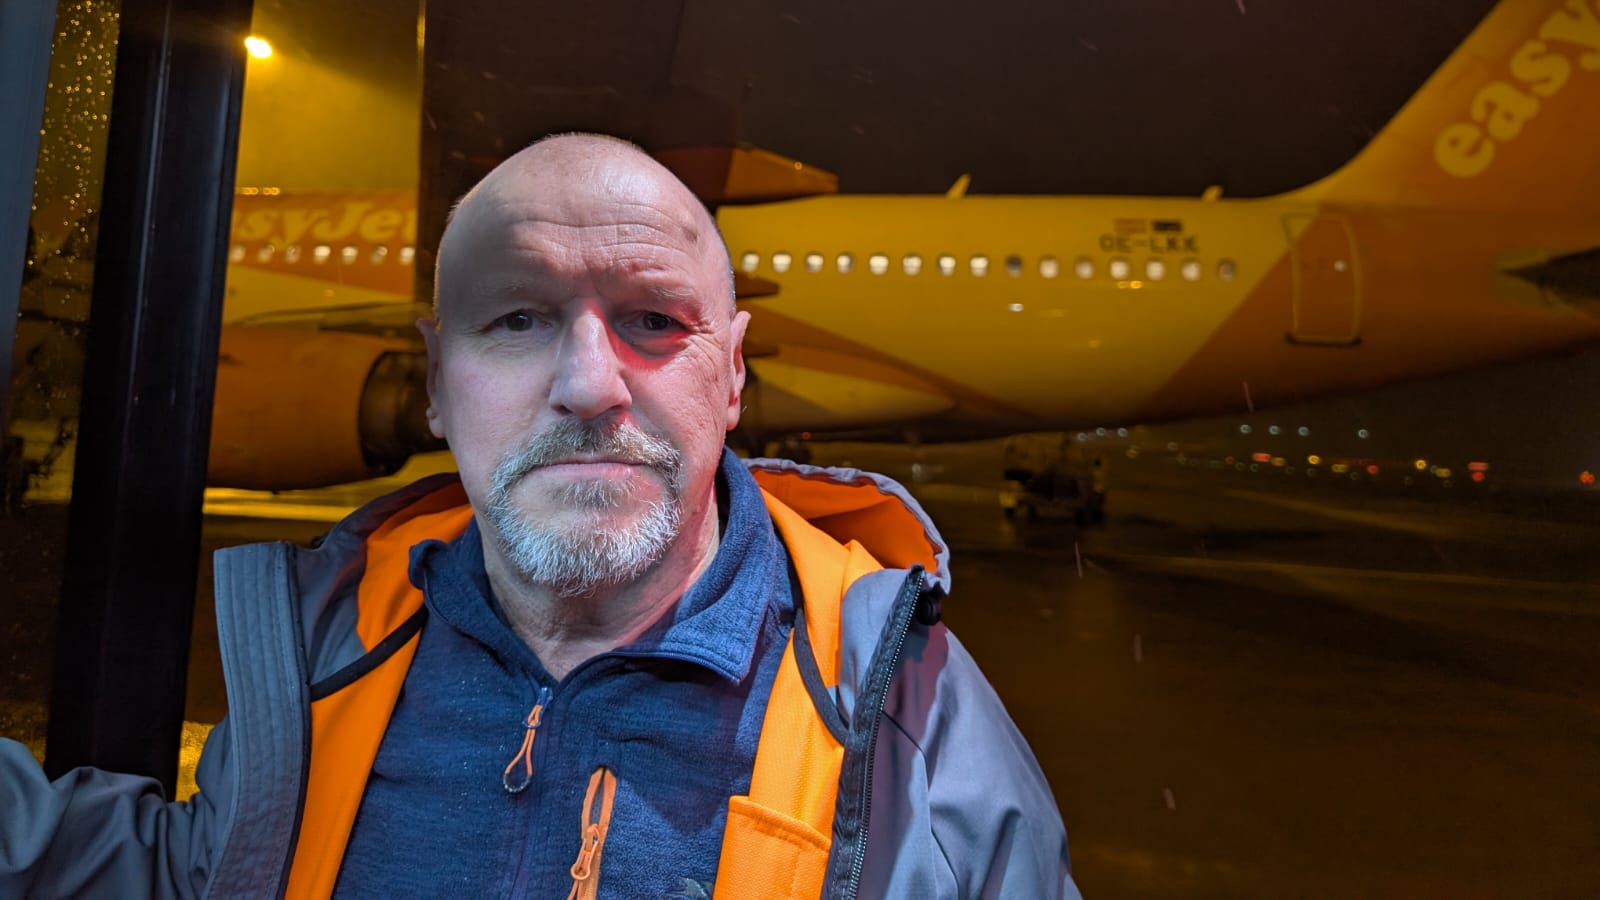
1251, 686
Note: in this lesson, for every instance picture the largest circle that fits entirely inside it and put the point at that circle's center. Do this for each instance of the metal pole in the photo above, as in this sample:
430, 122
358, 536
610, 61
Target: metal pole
134, 526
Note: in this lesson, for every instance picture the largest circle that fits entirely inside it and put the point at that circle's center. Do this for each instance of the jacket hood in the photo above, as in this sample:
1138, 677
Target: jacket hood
871, 509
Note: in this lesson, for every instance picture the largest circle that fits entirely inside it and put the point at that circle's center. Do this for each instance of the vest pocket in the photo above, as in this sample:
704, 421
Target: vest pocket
768, 854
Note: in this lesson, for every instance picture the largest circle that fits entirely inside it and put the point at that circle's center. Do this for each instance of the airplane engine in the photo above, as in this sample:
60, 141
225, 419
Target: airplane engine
303, 409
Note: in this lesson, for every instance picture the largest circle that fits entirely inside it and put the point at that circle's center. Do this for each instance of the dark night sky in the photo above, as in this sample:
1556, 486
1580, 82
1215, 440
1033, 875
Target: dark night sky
1127, 97
1086, 97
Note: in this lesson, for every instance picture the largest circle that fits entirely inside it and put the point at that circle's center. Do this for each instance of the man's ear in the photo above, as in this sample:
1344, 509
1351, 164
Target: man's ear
430, 337
741, 321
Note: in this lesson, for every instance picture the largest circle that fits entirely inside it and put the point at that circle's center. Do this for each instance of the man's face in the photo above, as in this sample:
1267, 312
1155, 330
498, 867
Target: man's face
584, 369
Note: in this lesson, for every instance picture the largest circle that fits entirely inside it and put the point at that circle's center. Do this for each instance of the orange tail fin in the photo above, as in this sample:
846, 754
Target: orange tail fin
1507, 123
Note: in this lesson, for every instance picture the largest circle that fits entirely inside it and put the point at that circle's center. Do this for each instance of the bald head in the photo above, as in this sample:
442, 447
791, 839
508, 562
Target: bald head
563, 179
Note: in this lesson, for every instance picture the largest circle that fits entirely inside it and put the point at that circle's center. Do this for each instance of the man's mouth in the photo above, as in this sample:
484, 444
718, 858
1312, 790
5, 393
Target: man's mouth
583, 460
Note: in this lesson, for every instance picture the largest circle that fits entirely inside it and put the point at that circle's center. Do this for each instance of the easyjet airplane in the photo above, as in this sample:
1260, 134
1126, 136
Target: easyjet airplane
1467, 232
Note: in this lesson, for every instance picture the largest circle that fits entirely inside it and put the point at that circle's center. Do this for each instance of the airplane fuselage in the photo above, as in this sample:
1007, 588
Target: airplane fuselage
1033, 313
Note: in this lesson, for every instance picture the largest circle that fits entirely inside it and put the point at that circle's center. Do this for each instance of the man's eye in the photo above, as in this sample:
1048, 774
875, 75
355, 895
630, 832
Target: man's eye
517, 321
656, 322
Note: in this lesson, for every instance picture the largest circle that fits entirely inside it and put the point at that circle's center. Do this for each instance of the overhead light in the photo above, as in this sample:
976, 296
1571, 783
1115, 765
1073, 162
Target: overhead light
259, 47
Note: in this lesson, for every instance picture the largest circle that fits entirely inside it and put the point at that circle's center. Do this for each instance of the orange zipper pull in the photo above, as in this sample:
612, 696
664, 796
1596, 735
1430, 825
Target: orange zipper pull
525, 754
592, 835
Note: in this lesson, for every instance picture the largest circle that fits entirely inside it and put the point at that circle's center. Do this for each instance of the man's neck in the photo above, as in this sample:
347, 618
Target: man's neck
563, 632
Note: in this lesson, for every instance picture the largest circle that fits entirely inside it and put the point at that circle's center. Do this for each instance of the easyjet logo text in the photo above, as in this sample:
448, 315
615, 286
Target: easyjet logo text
1540, 67
362, 221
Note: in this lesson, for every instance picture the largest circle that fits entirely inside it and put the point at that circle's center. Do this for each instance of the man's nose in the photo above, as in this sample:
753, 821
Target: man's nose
589, 372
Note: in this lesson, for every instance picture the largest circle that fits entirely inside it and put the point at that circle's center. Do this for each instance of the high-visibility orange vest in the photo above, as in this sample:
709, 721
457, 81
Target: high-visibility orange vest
777, 837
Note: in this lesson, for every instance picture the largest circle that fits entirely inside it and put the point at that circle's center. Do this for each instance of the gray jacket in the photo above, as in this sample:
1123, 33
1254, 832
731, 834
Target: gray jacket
939, 794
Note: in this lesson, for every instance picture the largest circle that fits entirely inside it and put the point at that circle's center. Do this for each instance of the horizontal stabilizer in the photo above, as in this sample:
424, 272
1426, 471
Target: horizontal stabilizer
749, 287
720, 175
1573, 279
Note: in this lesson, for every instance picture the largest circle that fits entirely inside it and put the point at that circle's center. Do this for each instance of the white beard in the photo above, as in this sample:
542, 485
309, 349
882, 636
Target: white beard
575, 558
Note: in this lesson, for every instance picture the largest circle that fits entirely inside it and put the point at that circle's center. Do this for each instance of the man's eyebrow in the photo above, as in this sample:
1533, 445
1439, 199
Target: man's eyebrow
672, 292
508, 288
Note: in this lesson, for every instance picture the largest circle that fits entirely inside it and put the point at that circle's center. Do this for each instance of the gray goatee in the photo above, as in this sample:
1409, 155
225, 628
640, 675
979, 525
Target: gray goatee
574, 560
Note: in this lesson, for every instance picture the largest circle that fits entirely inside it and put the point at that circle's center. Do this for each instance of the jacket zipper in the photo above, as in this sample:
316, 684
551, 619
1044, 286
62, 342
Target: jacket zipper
904, 606
593, 826
517, 783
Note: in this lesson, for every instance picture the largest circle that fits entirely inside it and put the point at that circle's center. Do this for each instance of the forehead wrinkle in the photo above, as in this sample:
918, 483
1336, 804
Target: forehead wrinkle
567, 196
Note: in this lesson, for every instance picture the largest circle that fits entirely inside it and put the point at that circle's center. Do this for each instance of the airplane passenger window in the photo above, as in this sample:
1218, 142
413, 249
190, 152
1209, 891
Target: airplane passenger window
236, 253
1225, 270
813, 262
780, 262
1155, 270
845, 262
291, 253
348, 254
265, 253
749, 261
320, 253
1084, 267
379, 254
878, 263
1190, 270
1048, 267
980, 266
912, 264
947, 264
1119, 269
1014, 266
407, 255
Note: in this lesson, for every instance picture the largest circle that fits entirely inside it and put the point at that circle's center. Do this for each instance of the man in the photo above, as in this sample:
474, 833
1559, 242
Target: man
609, 660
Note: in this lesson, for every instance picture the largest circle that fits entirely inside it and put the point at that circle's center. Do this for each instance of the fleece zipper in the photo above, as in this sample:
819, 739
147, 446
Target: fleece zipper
592, 829
519, 772
516, 778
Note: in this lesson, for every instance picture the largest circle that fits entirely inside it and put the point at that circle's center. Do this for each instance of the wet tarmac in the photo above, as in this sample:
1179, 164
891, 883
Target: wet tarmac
1249, 688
